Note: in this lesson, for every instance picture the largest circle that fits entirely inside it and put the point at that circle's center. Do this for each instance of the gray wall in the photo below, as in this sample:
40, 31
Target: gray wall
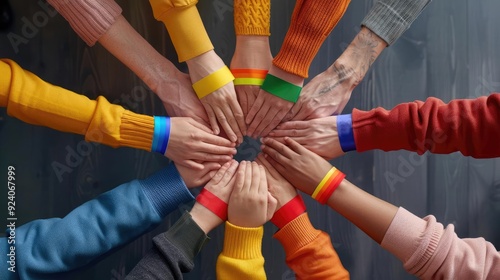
450, 52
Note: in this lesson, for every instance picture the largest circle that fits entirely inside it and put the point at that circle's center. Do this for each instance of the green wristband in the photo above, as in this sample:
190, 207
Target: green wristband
281, 88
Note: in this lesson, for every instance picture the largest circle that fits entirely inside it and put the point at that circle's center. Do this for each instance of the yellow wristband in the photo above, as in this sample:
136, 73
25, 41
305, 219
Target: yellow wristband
322, 183
248, 81
213, 82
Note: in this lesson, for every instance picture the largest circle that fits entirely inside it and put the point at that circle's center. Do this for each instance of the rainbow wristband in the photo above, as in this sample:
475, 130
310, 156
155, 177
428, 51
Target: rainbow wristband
281, 88
289, 212
161, 134
328, 185
213, 82
251, 77
213, 203
346, 133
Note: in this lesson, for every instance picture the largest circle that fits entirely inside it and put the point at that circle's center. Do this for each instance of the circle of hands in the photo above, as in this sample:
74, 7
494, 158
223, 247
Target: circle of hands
295, 137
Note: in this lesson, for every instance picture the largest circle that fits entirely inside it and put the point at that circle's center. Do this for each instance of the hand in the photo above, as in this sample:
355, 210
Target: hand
268, 110
191, 141
221, 185
318, 135
328, 93
301, 167
279, 187
221, 105
250, 204
251, 52
194, 178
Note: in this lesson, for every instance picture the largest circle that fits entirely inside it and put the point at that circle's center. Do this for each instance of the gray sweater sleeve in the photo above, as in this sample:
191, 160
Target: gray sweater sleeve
173, 252
391, 18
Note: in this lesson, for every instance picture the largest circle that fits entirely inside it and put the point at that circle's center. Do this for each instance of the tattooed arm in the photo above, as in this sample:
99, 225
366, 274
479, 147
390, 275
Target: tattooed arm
329, 92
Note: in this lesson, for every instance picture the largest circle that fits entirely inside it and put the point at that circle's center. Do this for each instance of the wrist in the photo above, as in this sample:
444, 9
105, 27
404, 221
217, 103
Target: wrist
252, 52
289, 77
204, 218
204, 65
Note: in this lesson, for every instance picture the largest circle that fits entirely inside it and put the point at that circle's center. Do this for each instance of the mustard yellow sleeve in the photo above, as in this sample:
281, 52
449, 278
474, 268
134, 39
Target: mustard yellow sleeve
241, 256
184, 25
34, 101
252, 17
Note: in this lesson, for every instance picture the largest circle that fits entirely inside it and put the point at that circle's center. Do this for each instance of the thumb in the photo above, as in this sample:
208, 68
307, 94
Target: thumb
272, 203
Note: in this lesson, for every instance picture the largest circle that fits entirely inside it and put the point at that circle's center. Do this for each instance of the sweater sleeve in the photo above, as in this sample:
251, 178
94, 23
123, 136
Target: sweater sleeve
58, 245
430, 251
173, 252
241, 256
184, 25
252, 17
34, 101
312, 21
466, 125
90, 19
389, 19
309, 252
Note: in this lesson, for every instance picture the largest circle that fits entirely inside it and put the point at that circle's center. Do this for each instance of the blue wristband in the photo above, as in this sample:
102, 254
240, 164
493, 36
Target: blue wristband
346, 133
161, 135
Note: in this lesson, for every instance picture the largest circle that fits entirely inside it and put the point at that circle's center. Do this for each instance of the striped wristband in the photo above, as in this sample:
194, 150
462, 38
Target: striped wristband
328, 185
213, 203
251, 77
289, 212
346, 133
281, 88
161, 135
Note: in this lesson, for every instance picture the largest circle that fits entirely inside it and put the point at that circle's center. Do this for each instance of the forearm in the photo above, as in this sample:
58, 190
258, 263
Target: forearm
389, 19
369, 213
465, 125
312, 22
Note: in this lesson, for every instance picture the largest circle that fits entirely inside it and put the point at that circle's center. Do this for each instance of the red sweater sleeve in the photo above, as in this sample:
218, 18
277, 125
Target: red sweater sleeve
466, 125
309, 252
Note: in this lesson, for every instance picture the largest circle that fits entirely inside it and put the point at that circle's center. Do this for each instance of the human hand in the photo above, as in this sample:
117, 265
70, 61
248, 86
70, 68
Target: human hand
278, 186
221, 105
191, 142
250, 204
194, 178
317, 135
221, 186
301, 167
269, 110
251, 52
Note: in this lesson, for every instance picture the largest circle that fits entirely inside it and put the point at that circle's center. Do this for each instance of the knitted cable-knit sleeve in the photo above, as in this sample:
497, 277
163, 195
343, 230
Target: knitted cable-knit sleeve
312, 21
252, 17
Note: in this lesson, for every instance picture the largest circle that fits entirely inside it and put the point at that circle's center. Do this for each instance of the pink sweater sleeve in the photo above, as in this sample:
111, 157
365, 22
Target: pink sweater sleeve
470, 126
90, 19
430, 251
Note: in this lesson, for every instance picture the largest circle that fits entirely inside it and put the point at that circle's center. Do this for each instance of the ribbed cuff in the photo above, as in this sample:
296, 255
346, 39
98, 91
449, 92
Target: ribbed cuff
297, 234
166, 190
136, 130
243, 243
89, 19
186, 234
346, 133
311, 24
187, 32
252, 17
389, 19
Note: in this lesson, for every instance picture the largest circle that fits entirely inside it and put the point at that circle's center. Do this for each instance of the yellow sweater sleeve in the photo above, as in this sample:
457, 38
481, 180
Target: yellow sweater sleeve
252, 17
241, 256
184, 25
34, 101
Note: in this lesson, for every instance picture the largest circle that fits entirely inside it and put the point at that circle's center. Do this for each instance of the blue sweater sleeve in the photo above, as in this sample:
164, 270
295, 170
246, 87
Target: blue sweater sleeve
56, 245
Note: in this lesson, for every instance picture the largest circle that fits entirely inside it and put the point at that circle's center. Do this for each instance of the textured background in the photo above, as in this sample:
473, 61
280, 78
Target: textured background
449, 52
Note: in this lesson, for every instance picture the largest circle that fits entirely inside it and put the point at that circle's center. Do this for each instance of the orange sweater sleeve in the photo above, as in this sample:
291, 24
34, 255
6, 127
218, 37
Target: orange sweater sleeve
312, 21
309, 252
34, 101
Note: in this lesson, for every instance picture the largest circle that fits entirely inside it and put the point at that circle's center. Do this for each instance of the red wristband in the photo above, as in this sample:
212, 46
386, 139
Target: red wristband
288, 212
333, 185
213, 203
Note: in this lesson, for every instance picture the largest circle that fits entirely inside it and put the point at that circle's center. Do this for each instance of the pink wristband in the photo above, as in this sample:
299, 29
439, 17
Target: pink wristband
213, 203
289, 212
